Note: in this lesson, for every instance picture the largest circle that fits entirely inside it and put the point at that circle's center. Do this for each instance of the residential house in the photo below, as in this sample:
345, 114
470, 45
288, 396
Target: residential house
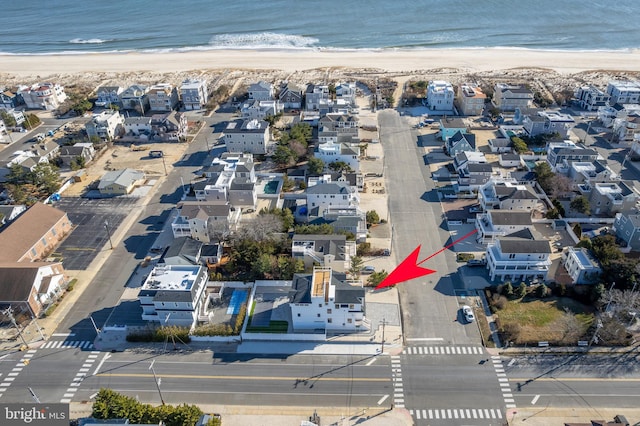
261, 91
582, 173
211, 254
250, 136
511, 97
615, 115
174, 295
106, 125
440, 96
169, 127
203, 221
498, 223
460, 142
507, 195
523, 177
338, 128
45, 151
316, 97
71, 153
291, 96
624, 92
333, 195
609, 198
109, 95
627, 131
194, 94
590, 98
351, 220
508, 159
548, 122
346, 92
627, 228
451, 126
9, 100
138, 126
330, 152
332, 251
259, 110
561, 154
518, 257
34, 234
120, 182
29, 287
323, 300
163, 97
474, 175
500, 145
47, 96
471, 99
230, 178
9, 212
581, 266
181, 251
18, 116
136, 98
463, 158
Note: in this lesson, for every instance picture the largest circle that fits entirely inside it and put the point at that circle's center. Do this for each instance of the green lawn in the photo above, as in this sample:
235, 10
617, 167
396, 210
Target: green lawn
558, 320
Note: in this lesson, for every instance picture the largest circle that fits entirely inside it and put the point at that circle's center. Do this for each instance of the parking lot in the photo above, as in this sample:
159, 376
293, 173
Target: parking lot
90, 235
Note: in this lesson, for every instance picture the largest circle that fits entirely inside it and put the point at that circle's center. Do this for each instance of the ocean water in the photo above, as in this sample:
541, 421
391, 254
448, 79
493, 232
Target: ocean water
65, 26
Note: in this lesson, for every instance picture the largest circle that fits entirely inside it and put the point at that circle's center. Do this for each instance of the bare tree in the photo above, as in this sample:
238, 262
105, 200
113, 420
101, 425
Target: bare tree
560, 185
263, 227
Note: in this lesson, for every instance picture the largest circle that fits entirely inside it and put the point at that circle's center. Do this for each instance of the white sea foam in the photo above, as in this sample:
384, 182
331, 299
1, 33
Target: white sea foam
88, 41
263, 40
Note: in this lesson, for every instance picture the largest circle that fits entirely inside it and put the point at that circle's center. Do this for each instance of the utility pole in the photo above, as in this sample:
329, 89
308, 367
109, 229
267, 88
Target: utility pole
35, 321
9, 313
155, 379
383, 324
106, 226
164, 165
34, 396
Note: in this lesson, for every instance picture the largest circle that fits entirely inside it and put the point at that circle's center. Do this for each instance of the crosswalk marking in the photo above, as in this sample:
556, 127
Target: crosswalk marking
457, 413
444, 350
68, 344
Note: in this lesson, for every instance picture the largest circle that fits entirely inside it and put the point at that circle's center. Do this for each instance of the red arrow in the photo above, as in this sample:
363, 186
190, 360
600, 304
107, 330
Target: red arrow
410, 267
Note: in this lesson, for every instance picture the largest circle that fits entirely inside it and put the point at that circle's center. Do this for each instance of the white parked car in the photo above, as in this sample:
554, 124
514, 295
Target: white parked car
468, 313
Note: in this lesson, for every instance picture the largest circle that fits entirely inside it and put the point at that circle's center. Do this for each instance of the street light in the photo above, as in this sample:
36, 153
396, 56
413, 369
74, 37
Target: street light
155, 379
106, 226
164, 165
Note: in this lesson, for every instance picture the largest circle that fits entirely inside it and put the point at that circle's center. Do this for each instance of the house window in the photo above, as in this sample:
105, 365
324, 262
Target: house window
44, 242
53, 232
319, 305
329, 320
318, 315
512, 256
352, 306
349, 320
329, 310
35, 253
298, 314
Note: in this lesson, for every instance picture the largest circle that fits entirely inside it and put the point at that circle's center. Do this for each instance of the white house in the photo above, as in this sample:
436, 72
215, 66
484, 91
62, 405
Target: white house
261, 91
507, 195
247, 136
174, 295
440, 96
590, 98
333, 195
108, 95
324, 250
135, 98
624, 92
194, 94
335, 152
253, 110
230, 178
203, 221
323, 300
518, 257
581, 266
346, 92
107, 124
136, 126
511, 97
498, 223
48, 96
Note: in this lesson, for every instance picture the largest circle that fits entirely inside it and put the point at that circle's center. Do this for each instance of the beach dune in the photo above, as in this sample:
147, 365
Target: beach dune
469, 60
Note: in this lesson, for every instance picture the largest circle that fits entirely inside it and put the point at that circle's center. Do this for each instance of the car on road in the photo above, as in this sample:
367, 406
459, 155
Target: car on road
468, 313
368, 270
476, 262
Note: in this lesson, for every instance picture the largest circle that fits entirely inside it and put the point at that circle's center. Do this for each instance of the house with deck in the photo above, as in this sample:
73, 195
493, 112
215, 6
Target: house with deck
498, 223
518, 257
251, 135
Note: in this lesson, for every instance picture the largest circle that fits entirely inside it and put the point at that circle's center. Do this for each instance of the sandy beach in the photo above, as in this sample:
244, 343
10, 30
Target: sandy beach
405, 61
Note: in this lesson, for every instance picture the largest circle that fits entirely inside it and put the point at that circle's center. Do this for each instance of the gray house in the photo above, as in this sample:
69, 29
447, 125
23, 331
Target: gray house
460, 142
182, 251
291, 96
627, 228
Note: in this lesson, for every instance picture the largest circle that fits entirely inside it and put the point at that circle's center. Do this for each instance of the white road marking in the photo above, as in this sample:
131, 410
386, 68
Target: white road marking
535, 399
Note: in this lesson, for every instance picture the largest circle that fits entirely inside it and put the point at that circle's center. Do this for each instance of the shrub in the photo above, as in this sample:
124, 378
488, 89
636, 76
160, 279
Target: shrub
522, 291
363, 249
500, 302
464, 257
508, 289
542, 291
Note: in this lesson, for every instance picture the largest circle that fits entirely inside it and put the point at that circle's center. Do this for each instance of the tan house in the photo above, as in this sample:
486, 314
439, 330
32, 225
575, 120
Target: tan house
34, 234
30, 286
120, 182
